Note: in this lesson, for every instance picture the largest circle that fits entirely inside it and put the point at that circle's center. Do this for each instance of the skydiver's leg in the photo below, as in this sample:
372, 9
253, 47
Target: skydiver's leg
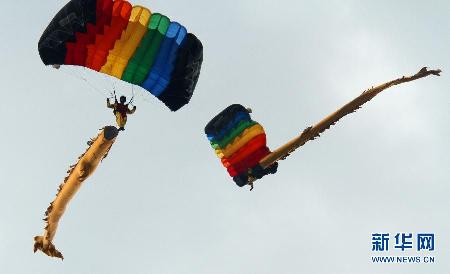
118, 119
121, 121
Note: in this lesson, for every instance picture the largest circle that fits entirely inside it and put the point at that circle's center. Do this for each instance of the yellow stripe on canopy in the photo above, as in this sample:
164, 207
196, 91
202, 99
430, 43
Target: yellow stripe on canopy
240, 141
124, 48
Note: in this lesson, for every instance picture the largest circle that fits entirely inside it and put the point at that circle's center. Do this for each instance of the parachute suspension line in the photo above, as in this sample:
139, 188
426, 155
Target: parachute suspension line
114, 82
132, 95
107, 85
100, 86
79, 77
142, 95
101, 83
83, 76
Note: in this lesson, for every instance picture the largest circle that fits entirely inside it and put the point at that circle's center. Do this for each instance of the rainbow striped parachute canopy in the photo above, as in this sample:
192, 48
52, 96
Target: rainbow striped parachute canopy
240, 143
127, 42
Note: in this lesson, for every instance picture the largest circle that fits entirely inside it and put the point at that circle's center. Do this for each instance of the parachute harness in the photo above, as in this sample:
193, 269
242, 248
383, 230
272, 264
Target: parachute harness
112, 95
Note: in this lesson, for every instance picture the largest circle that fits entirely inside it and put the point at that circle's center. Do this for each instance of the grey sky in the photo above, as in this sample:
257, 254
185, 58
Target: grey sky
162, 203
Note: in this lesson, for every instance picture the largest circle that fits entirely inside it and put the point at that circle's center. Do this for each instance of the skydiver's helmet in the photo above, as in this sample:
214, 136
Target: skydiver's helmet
123, 99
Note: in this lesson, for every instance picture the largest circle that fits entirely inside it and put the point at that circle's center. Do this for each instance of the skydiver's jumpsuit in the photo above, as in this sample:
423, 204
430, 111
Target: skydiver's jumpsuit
120, 111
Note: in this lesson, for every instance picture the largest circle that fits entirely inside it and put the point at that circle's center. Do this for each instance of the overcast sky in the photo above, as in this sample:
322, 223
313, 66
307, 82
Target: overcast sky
162, 203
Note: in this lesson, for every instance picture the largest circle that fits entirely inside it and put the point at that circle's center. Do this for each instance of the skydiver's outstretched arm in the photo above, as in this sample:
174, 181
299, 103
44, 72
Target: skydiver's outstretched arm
108, 104
131, 111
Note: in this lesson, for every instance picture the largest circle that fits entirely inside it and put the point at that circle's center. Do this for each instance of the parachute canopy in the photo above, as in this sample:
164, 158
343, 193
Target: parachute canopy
128, 42
240, 143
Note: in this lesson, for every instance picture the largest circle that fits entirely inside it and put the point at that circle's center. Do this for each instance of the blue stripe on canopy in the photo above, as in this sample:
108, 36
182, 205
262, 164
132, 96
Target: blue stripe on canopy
240, 116
159, 77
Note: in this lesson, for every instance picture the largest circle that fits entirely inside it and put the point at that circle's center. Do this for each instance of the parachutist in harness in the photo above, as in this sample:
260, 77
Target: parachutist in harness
121, 110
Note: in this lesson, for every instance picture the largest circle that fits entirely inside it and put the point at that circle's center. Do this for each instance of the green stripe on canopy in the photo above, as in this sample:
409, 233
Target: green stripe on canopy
140, 64
243, 125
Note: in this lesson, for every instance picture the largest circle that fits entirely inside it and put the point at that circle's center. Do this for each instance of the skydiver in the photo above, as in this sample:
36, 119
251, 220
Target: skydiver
120, 110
